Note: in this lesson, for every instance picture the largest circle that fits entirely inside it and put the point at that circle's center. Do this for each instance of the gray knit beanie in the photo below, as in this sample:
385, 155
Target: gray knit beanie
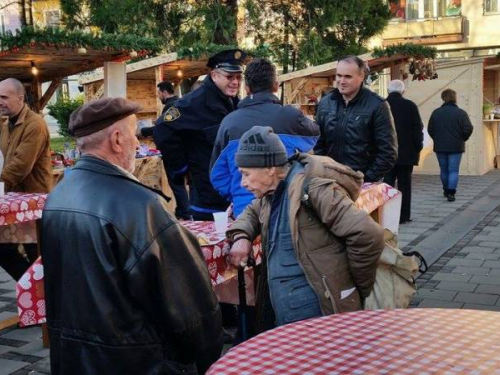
260, 147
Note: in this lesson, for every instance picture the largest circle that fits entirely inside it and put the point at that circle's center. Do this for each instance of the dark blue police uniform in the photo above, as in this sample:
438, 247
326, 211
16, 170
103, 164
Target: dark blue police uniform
187, 133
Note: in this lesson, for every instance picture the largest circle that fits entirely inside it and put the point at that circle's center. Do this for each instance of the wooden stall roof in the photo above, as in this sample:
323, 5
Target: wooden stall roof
328, 69
53, 63
145, 69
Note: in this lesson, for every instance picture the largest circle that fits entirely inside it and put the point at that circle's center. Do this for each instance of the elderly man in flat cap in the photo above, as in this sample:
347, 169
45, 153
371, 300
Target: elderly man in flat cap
186, 133
128, 291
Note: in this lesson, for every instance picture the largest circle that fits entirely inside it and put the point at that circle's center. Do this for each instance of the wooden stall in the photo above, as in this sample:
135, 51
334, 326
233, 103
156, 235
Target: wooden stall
304, 88
475, 81
142, 78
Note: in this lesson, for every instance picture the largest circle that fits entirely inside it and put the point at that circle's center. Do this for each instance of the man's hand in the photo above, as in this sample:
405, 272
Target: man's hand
239, 252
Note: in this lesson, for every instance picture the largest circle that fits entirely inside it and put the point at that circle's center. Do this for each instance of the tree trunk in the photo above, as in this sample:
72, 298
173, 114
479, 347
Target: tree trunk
22, 12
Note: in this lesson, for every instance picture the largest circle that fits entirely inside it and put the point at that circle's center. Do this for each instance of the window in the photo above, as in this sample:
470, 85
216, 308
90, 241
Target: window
423, 9
492, 6
53, 18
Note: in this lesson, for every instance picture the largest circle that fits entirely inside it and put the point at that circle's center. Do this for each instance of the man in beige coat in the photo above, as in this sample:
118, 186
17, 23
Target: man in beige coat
320, 251
25, 145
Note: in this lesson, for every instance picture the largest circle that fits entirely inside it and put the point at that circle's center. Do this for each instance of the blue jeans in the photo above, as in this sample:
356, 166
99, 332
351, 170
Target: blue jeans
449, 164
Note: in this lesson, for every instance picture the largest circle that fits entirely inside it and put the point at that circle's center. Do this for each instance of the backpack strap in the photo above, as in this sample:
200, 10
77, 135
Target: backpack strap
423, 267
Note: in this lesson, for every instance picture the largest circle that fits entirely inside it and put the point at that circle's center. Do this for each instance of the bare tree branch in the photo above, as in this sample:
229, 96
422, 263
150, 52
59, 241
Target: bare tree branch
9, 4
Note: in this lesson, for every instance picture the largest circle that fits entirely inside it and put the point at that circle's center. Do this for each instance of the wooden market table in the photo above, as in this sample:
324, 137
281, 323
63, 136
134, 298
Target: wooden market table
410, 341
373, 198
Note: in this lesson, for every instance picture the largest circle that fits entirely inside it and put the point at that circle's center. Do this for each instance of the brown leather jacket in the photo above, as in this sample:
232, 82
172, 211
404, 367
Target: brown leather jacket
26, 151
336, 254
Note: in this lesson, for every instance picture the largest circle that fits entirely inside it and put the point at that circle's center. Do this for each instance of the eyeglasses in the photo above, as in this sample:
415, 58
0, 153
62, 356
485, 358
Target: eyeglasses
230, 77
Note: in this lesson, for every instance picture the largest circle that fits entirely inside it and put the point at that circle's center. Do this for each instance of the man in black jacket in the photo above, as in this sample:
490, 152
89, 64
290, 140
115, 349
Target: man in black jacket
409, 129
188, 130
449, 128
128, 291
356, 124
260, 107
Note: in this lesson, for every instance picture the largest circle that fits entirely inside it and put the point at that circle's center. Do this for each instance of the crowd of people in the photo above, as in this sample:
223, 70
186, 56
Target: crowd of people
145, 302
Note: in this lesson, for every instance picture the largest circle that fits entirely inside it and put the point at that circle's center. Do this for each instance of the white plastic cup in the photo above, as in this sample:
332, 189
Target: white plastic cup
221, 220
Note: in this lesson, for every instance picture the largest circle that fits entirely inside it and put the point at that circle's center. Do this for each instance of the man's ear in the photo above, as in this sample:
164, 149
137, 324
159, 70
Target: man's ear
115, 140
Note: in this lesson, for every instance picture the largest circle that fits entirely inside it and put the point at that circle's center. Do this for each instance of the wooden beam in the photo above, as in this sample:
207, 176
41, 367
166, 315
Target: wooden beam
297, 89
54, 85
141, 65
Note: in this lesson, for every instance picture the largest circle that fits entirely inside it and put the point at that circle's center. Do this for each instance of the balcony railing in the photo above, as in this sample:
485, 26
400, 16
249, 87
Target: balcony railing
431, 31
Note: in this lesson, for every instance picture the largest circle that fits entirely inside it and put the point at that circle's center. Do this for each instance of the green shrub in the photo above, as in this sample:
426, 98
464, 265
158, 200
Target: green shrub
62, 109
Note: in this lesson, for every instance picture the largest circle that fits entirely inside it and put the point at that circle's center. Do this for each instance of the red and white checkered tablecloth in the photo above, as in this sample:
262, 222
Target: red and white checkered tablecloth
411, 341
374, 195
18, 213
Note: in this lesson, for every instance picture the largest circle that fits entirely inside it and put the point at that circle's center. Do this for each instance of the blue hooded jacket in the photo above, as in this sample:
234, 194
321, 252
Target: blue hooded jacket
296, 131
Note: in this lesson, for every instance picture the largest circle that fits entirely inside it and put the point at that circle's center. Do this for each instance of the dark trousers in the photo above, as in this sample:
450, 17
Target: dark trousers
13, 262
402, 174
180, 194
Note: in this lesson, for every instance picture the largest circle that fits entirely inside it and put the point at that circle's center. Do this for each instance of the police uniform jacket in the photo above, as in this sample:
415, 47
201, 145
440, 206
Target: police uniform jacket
186, 137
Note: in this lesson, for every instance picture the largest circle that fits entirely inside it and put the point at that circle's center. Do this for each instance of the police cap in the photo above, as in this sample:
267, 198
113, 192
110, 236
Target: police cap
231, 60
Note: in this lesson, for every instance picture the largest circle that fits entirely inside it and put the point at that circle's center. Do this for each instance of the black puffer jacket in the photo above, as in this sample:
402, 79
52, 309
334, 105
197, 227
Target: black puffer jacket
361, 135
127, 287
449, 128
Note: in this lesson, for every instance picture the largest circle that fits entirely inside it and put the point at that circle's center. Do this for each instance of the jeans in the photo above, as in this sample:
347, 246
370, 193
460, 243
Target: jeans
449, 164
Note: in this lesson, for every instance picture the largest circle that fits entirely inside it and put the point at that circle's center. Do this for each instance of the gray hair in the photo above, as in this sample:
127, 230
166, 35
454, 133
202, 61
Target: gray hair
396, 85
95, 140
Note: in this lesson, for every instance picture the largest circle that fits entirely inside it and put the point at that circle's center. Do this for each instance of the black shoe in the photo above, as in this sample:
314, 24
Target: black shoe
451, 197
404, 221
446, 193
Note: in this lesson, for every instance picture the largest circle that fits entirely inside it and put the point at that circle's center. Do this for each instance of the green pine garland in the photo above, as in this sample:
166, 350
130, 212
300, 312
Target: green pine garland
199, 50
62, 38
407, 49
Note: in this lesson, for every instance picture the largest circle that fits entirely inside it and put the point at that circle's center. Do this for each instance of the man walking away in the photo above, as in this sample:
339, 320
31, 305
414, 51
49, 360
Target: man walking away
409, 129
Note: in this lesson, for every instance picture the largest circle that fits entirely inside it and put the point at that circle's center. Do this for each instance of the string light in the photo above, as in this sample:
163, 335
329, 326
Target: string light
179, 72
34, 69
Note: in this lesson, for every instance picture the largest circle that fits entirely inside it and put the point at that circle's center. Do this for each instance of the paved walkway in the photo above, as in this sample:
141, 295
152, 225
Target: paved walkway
463, 237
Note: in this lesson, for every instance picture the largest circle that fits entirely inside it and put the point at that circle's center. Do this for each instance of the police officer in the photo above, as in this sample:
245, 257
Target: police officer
187, 132
168, 98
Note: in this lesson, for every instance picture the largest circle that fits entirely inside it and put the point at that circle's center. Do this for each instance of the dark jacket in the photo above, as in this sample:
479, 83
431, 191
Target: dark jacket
295, 130
336, 244
449, 128
186, 138
361, 135
127, 287
148, 132
409, 129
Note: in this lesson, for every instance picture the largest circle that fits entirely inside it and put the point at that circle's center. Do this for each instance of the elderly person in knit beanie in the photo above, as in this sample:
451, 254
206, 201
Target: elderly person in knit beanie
319, 251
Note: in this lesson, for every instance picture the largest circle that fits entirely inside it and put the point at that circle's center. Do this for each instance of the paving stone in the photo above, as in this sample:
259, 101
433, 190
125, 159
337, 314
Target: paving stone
477, 249
472, 270
457, 286
482, 256
491, 264
476, 298
7, 366
24, 334
470, 306
491, 280
488, 289
444, 295
43, 366
451, 277
465, 262
13, 356
495, 244
34, 348
432, 303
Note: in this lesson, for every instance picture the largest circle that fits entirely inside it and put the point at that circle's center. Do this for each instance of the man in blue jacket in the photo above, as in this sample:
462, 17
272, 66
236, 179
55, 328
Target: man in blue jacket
261, 107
